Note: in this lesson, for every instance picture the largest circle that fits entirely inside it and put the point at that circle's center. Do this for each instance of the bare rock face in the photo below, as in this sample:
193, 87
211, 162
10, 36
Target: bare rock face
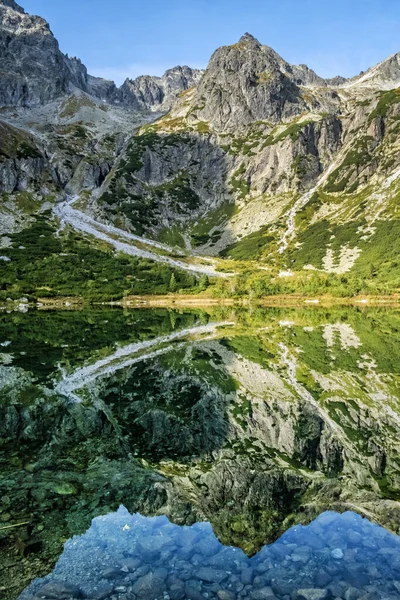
33, 69
158, 93
13, 5
385, 75
23, 163
247, 82
35, 72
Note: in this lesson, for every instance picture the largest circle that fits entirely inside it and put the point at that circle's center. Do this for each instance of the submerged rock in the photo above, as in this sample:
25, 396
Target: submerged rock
149, 558
59, 591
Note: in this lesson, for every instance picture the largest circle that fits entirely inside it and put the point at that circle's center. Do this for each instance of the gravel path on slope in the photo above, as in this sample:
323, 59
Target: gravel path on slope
82, 222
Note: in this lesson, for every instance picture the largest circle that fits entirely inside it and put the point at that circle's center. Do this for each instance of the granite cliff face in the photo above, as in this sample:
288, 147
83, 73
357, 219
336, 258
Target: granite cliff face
33, 69
158, 93
248, 82
35, 72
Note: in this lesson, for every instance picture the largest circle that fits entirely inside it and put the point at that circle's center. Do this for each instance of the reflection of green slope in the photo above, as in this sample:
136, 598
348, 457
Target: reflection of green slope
199, 362
250, 348
379, 334
42, 341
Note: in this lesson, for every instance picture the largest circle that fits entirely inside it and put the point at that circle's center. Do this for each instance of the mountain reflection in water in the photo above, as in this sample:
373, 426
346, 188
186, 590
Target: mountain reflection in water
254, 420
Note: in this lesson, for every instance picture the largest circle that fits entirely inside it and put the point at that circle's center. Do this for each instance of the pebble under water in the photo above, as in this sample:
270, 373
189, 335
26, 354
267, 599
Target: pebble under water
124, 557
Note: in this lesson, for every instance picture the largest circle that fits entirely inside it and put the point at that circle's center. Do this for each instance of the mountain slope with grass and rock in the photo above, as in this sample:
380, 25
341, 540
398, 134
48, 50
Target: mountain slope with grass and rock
289, 180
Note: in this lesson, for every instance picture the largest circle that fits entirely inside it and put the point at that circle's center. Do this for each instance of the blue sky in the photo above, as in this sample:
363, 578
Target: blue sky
121, 38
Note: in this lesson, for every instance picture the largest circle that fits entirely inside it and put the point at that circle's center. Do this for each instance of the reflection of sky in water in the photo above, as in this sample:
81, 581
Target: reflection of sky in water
336, 556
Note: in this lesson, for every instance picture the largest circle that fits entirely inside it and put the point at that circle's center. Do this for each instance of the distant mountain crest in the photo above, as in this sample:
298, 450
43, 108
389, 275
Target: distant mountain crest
257, 82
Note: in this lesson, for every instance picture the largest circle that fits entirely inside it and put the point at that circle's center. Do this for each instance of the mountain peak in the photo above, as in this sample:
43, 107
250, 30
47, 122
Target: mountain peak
12, 4
247, 37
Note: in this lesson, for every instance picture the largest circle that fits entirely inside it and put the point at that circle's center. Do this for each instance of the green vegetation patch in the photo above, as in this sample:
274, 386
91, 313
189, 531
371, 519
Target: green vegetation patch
139, 202
360, 156
200, 233
380, 256
250, 247
293, 131
304, 216
251, 348
44, 265
314, 241
376, 270
15, 143
171, 236
386, 100
178, 193
72, 105
240, 186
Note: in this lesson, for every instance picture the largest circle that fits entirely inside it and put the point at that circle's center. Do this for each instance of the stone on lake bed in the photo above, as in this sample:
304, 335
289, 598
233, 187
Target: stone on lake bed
58, 590
112, 573
264, 593
211, 575
150, 547
154, 558
226, 595
312, 594
99, 592
337, 554
149, 586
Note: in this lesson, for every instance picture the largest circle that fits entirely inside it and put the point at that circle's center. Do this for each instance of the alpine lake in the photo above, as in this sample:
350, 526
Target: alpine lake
255, 420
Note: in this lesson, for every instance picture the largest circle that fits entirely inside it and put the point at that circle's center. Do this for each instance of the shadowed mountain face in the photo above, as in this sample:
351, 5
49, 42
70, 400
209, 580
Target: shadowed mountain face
34, 70
254, 421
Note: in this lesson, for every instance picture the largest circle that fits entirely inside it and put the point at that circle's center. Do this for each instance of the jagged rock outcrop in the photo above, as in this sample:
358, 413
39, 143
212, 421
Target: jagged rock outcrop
158, 93
23, 163
33, 69
384, 75
157, 184
247, 82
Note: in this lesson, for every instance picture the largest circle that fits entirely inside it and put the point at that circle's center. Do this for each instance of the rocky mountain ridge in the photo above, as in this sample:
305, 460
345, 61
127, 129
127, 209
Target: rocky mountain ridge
36, 72
158, 93
280, 166
256, 159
